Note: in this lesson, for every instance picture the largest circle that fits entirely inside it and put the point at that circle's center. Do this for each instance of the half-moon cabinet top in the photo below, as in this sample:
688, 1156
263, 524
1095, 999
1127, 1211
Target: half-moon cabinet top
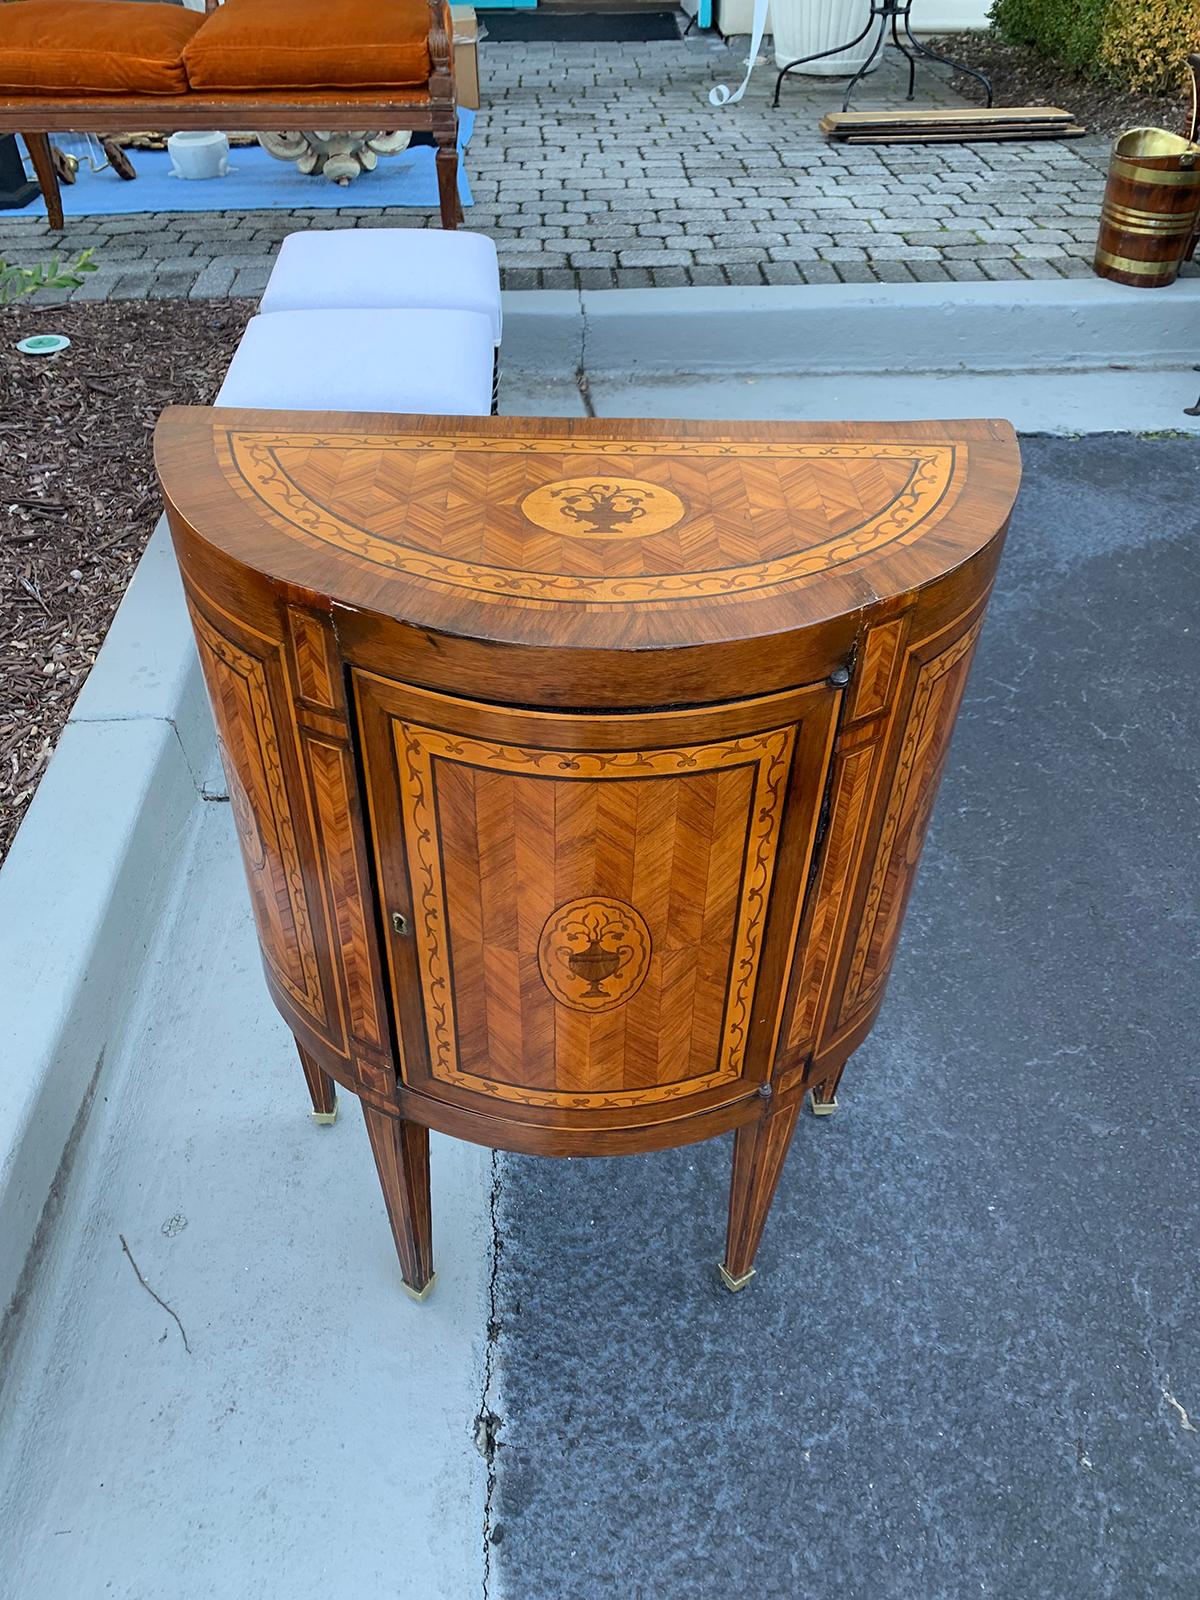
581, 767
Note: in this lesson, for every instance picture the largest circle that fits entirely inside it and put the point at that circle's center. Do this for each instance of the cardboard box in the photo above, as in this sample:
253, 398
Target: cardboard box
466, 55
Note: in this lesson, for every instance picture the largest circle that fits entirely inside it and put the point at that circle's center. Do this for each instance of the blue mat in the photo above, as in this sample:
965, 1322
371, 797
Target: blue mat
256, 182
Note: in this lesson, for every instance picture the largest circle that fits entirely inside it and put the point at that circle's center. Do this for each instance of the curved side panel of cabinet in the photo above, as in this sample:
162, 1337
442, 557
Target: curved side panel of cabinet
275, 684
934, 679
887, 767
248, 738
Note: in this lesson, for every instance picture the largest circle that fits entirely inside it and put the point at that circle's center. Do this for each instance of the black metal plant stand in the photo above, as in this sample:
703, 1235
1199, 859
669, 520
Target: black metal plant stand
883, 12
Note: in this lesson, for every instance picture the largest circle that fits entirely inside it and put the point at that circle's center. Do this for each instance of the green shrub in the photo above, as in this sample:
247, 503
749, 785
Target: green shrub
1140, 44
1065, 30
1145, 43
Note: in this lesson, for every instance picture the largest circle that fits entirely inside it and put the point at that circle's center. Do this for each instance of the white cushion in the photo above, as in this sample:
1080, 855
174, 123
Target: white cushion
428, 361
386, 267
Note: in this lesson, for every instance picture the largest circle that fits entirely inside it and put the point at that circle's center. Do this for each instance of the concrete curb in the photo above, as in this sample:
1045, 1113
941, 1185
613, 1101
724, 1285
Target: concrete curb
81, 890
1065, 325
148, 668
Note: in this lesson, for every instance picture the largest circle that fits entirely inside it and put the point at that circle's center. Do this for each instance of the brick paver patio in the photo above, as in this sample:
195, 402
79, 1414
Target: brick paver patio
600, 166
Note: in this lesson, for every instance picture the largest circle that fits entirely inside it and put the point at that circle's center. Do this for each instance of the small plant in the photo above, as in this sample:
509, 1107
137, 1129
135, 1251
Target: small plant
18, 281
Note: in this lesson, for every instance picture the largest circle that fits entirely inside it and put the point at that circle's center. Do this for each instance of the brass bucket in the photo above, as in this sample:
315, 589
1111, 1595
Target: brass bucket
1151, 206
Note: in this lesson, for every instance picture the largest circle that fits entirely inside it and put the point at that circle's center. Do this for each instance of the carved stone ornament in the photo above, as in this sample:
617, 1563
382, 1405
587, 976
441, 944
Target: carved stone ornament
339, 157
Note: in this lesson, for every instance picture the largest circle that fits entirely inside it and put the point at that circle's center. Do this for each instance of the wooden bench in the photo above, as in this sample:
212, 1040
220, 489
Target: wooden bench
427, 107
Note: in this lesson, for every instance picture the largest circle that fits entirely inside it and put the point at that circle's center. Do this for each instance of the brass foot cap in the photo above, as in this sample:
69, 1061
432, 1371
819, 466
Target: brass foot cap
731, 1283
325, 1118
823, 1108
419, 1294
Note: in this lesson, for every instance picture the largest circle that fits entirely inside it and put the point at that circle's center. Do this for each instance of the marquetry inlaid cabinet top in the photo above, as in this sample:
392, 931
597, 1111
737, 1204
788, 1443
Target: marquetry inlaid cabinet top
590, 533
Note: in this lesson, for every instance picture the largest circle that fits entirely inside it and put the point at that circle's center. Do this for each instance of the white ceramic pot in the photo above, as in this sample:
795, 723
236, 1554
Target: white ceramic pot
198, 155
805, 27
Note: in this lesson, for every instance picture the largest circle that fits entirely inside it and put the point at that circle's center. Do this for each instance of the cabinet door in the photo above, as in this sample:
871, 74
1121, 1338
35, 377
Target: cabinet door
589, 916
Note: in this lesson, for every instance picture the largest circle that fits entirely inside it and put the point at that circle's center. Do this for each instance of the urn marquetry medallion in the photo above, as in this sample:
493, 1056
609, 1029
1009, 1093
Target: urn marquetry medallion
581, 768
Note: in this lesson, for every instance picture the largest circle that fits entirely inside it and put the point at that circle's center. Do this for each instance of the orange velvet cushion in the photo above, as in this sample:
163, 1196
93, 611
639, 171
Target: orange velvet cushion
311, 44
71, 47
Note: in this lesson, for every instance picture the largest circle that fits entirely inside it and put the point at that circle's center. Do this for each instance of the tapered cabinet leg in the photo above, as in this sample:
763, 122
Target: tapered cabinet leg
759, 1149
823, 1096
401, 1151
320, 1086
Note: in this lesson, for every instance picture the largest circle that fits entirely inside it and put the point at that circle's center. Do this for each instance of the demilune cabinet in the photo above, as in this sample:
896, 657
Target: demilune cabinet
581, 768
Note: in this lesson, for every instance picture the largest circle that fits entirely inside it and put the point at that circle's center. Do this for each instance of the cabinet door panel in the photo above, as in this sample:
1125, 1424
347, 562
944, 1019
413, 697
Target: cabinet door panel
589, 897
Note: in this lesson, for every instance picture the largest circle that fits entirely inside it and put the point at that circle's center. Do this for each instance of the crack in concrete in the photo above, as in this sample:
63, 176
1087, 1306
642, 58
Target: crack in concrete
488, 1423
582, 382
196, 777
171, 1312
1161, 1378
137, 716
585, 392
1185, 1422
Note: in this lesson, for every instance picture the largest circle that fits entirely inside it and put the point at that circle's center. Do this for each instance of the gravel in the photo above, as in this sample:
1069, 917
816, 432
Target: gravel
78, 495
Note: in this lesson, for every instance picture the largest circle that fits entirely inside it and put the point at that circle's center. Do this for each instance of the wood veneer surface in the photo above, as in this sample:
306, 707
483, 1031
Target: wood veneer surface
701, 533
581, 769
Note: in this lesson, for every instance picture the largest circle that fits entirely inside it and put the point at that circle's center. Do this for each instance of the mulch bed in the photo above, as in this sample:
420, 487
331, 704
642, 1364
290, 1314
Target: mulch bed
1020, 77
78, 496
